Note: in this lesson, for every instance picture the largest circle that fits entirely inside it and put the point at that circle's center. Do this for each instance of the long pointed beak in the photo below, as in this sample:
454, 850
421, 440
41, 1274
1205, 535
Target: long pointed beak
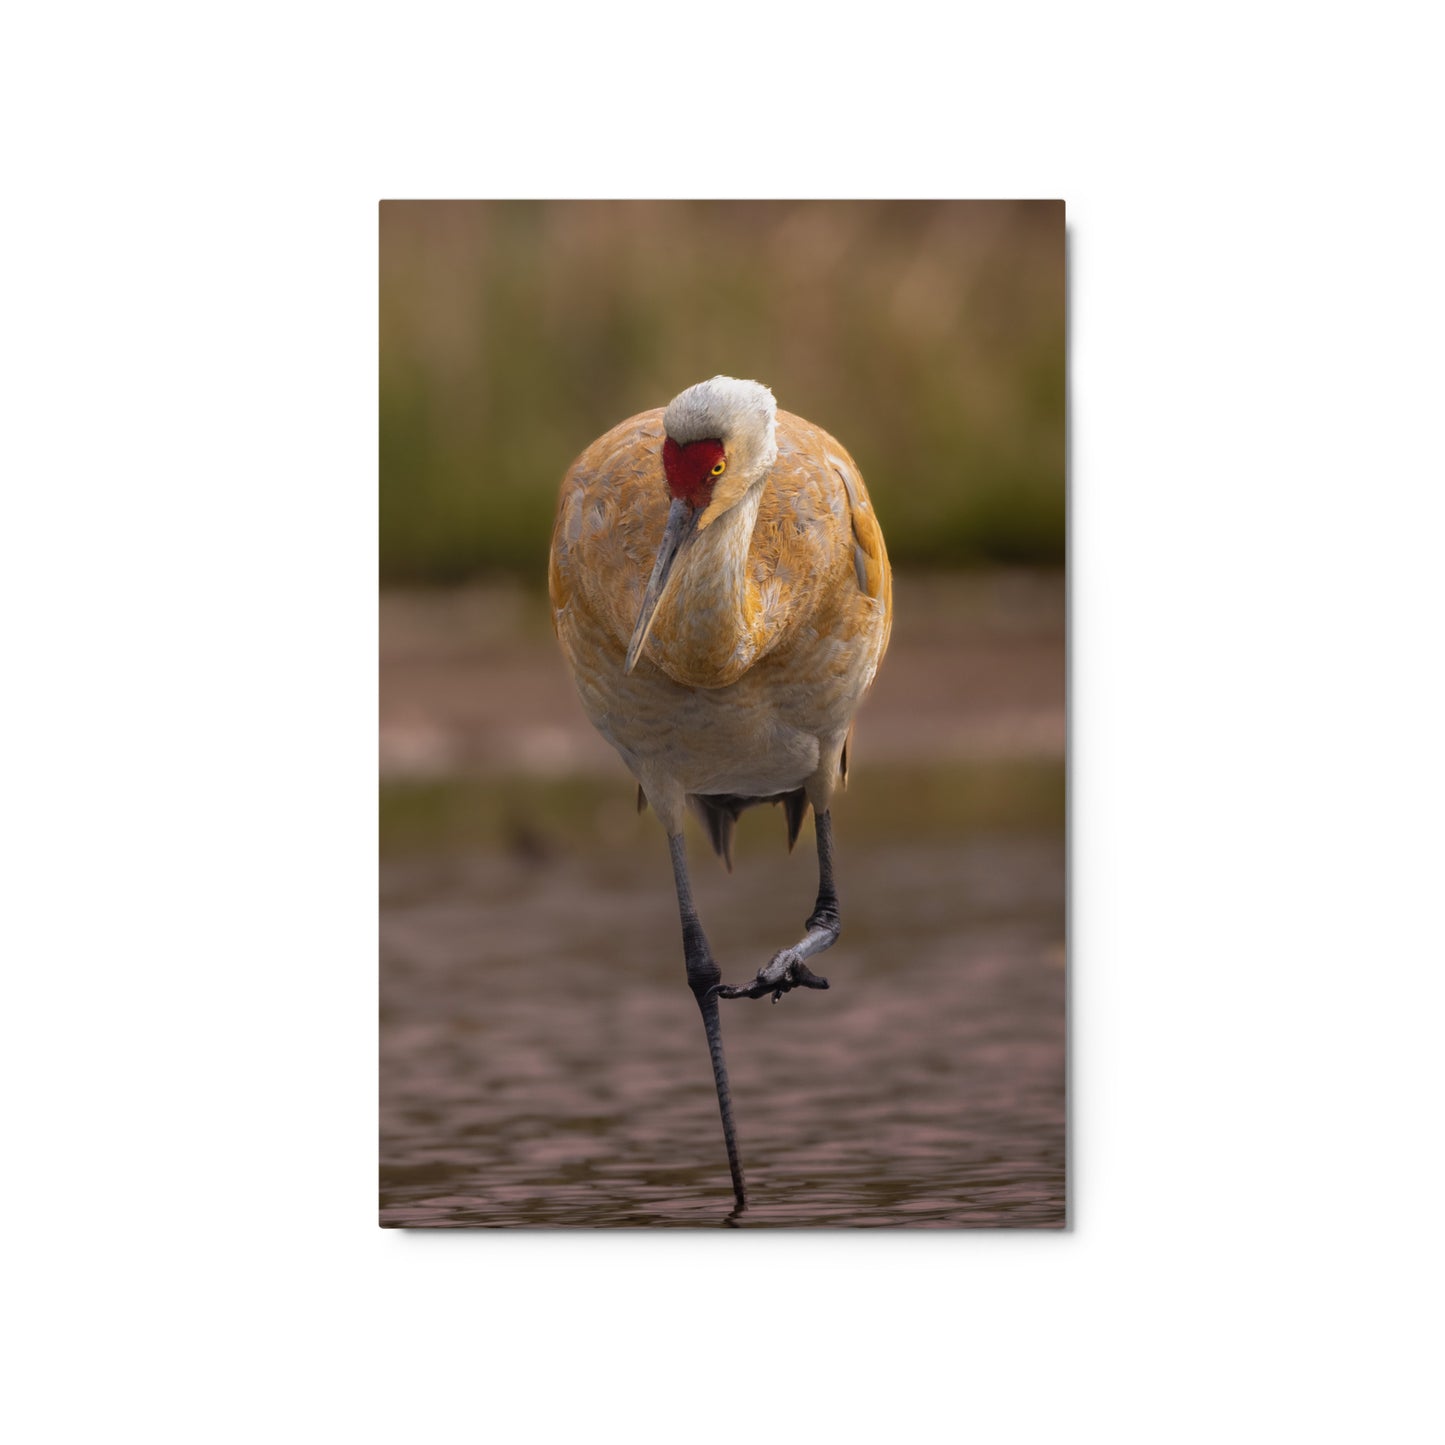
681, 520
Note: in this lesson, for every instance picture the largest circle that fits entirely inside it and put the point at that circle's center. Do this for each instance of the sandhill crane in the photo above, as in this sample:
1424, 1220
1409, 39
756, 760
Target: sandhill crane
721, 590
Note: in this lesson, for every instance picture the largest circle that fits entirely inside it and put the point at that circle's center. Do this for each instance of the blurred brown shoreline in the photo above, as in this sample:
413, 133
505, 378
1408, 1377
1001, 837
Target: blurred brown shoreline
472, 683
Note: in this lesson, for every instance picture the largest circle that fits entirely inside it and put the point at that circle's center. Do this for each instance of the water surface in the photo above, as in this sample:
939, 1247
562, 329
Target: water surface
543, 1061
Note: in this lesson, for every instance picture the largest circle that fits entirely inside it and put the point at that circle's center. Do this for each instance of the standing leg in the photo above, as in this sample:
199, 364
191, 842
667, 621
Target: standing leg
787, 969
704, 977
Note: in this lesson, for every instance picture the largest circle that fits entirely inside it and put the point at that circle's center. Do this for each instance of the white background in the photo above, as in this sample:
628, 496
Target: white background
189, 554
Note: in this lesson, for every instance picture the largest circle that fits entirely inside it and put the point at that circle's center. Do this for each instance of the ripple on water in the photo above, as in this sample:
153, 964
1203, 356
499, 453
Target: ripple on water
542, 1062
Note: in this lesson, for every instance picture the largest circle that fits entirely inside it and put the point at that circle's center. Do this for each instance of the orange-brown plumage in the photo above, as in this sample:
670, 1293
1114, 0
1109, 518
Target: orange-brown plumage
721, 590
767, 635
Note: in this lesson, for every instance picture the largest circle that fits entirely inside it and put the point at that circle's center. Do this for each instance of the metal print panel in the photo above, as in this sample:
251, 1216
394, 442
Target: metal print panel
722, 714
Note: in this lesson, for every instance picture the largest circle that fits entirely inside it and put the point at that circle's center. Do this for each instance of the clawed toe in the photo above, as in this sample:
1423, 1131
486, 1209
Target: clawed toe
785, 972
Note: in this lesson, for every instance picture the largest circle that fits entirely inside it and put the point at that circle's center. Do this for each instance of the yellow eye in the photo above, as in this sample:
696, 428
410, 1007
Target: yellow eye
718, 470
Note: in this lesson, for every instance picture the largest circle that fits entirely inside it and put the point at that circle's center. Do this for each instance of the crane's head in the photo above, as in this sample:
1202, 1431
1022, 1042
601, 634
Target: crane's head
720, 439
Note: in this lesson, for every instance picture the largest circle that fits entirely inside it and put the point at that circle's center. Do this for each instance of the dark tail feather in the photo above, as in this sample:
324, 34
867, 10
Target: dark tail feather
719, 814
794, 805
641, 799
720, 811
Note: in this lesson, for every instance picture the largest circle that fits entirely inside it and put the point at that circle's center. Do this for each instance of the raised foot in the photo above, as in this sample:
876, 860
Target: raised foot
785, 971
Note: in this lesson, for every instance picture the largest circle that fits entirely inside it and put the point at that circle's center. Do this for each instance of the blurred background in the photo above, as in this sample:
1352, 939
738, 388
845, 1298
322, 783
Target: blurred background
928, 335
539, 1063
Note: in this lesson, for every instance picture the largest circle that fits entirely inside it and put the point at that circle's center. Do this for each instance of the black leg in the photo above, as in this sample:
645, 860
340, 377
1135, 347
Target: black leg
704, 978
787, 968
825, 911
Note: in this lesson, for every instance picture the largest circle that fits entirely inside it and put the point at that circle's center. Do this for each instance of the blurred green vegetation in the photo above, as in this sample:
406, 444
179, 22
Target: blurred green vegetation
927, 336
541, 816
